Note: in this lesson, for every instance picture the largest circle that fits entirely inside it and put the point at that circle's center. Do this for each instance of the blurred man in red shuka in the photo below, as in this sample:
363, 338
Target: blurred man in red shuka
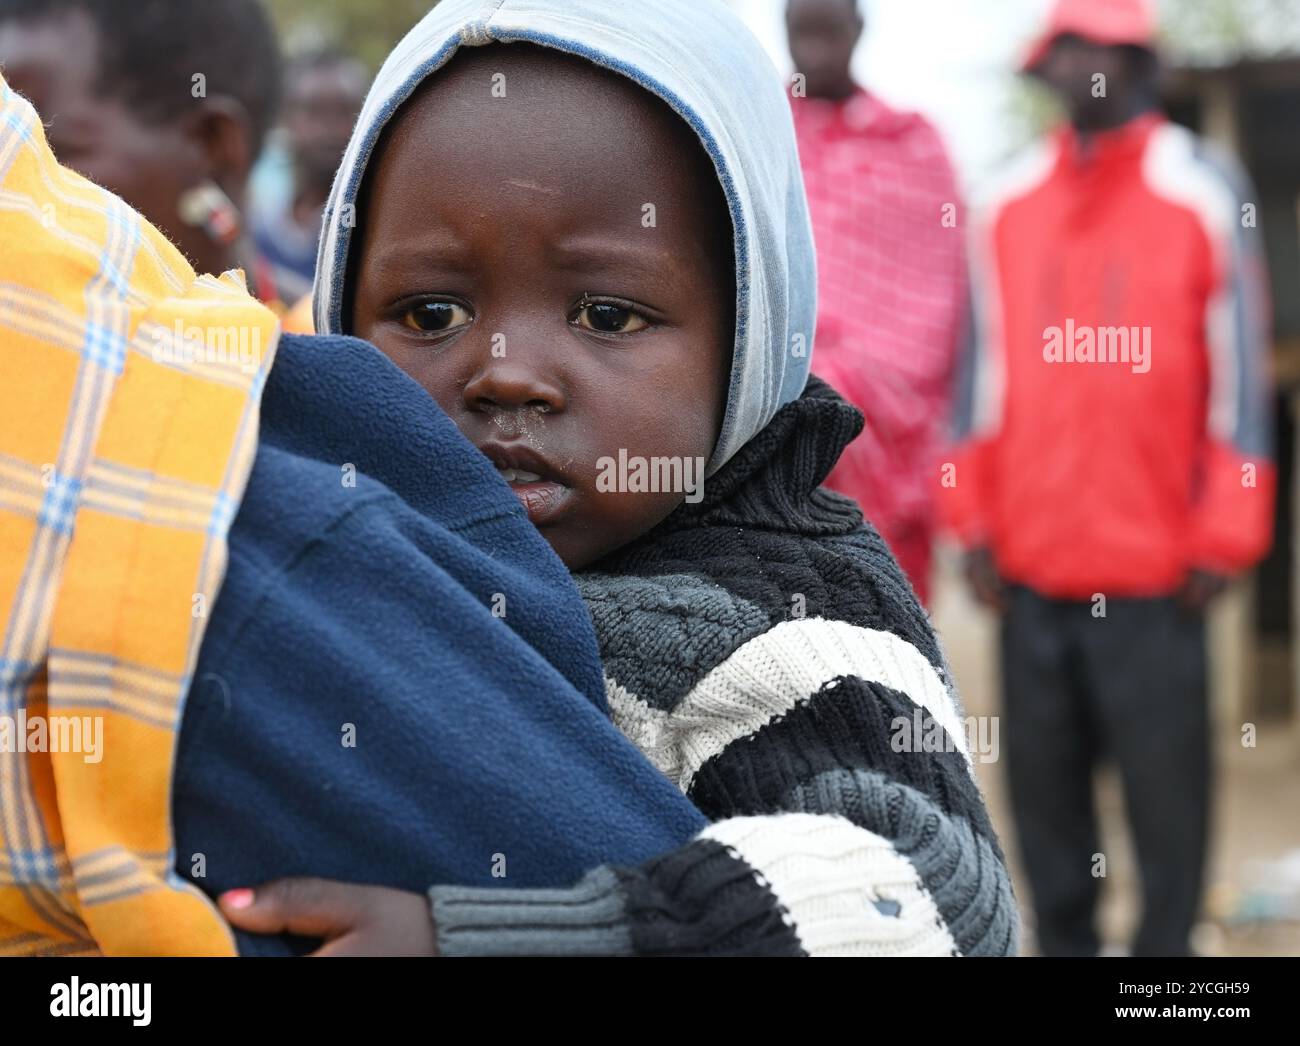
891, 277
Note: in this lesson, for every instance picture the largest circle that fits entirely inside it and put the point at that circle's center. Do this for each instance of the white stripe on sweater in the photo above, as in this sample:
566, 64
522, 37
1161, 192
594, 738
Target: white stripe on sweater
1173, 171
768, 677
826, 872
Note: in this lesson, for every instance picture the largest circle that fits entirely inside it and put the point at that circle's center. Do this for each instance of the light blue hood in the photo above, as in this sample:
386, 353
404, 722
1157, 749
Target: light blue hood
701, 60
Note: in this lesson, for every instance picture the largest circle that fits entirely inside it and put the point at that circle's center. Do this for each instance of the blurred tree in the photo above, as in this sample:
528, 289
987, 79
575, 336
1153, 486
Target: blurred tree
1217, 32
362, 27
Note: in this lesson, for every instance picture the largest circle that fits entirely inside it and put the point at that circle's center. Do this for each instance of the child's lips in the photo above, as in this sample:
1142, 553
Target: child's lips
541, 487
543, 499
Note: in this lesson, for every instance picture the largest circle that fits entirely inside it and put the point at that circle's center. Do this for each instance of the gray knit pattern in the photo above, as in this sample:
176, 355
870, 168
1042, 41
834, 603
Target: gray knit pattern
966, 878
587, 919
661, 635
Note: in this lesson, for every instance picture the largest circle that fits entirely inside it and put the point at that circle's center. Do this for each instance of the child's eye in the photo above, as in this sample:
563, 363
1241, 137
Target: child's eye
605, 318
435, 317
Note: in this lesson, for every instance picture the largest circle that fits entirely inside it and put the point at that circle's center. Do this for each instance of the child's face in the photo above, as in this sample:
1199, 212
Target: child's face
545, 247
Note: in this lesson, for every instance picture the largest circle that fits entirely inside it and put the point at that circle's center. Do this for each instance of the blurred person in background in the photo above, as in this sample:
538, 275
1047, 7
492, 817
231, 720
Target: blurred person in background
891, 276
323, 92
163, 104
1113, 467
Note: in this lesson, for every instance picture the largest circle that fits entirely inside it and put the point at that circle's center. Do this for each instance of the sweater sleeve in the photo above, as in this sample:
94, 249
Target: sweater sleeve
832, 763
968, 479
1232, 522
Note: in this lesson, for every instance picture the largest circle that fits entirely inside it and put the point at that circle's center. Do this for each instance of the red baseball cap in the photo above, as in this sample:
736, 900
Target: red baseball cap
1108, 22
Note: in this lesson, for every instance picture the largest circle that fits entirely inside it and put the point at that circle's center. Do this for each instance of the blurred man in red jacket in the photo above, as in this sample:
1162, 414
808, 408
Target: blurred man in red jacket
891, 280
1113, 467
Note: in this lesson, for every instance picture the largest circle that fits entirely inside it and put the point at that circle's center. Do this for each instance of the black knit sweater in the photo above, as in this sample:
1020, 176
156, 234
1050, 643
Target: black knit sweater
765, 652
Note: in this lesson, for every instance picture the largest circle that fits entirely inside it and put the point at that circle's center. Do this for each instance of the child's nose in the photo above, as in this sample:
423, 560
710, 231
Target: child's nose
506, 384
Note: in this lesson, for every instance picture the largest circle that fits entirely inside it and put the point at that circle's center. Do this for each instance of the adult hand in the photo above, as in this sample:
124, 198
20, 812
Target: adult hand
350, 918
986, 584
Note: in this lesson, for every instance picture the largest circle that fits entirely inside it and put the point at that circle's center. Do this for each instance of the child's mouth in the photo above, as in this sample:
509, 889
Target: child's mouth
541, 486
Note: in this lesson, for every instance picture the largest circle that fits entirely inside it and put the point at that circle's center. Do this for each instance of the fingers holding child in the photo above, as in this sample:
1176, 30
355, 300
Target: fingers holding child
350, 918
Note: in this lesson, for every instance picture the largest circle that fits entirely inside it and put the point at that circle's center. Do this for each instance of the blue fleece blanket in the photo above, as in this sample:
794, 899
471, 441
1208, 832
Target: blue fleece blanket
399, 683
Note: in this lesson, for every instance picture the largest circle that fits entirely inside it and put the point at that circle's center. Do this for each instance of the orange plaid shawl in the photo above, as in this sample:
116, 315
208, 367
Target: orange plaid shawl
127, 431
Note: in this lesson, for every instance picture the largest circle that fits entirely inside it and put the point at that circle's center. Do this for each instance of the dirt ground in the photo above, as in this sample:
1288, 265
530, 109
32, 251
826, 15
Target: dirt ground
1257, 804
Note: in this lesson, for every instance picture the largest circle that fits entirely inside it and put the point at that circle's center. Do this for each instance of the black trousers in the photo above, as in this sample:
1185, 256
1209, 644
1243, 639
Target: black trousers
1080, 688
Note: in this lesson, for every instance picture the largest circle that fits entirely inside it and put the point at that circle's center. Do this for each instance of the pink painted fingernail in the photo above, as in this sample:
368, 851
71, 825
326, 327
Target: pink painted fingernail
237, 898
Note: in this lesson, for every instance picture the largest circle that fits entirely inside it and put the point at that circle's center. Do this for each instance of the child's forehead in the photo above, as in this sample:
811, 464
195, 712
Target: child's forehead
523, 104
544, 85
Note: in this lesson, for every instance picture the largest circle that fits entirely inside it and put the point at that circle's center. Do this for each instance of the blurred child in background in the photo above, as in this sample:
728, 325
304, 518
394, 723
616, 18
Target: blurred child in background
323, 91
